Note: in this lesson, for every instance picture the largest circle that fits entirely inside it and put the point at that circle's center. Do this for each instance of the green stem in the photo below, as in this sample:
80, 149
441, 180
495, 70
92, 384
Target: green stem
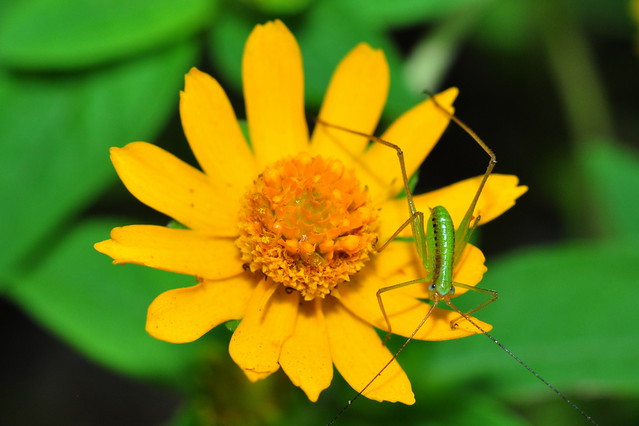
585, 105
572, 65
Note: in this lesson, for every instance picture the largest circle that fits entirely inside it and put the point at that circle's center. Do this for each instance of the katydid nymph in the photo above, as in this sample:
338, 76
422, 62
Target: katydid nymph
439, 247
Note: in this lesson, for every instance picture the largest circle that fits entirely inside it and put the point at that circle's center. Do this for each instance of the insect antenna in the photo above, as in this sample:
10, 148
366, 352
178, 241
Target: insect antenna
521, 362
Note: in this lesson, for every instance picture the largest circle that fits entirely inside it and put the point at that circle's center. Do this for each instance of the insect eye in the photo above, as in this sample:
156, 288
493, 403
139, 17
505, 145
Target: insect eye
452, 290
432, 287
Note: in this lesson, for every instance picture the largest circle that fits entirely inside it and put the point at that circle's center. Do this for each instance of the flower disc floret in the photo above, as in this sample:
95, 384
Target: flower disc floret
308, 224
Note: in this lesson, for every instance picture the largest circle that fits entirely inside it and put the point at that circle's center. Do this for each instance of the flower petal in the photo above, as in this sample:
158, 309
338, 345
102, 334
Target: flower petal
395, 258
416, 132
185, 314
392, 214
355, 99
468, 270
169, 185
306, 357
268, 322
213, 132
498, 195
176, 250
274, 92
404, 311
358, 354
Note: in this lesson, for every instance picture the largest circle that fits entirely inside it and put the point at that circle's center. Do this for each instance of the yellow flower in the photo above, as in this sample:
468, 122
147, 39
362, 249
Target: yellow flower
281, 232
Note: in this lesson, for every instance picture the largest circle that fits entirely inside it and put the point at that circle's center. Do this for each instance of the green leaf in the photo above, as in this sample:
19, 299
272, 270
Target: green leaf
56, 132
428, 63
277, 7
388, 14
67, 34
174, 224
232, 325
612, 173
507, 25
566, 310
613, 18
481, 409
330, 31
100, 308
226, 44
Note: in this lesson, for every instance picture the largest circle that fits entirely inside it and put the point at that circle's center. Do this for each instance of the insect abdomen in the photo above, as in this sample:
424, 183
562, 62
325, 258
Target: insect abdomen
440, 237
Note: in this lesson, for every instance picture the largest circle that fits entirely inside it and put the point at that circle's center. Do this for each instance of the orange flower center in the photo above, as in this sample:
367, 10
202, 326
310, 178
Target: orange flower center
308, 224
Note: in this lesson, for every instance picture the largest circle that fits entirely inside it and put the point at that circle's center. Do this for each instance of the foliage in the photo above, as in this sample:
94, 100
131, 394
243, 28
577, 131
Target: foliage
77, 77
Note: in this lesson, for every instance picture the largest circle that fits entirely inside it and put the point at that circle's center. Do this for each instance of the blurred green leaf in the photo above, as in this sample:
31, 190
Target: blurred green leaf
566, 310
611, 17
232, 325
100, 308
226, 44
56, 132
174, 224
507, 25
389, 14
286, 7
323, 50
612, 173
431, 58
481, 409
443, 405
67, 34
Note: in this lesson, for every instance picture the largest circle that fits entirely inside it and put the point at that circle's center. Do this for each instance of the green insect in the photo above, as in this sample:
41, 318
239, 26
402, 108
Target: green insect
439, 246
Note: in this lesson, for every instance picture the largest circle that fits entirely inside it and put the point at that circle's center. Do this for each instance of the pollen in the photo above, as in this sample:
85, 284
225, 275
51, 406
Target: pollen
307, 224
